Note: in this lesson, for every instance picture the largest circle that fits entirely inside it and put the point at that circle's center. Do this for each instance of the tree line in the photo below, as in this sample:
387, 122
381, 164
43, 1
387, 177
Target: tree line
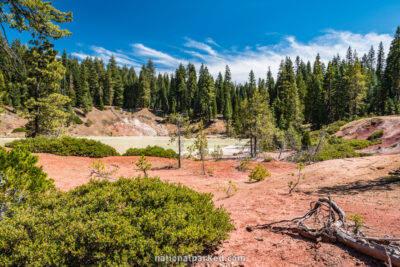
303, 92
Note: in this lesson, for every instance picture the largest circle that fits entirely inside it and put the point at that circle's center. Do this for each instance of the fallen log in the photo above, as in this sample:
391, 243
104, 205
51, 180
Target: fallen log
329, 229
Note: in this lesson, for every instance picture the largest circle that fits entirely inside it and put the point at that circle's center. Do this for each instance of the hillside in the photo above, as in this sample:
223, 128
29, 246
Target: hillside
108, 122
363, 128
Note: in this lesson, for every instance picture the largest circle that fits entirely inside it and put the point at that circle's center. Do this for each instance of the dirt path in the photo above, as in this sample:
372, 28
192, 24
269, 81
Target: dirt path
355, 184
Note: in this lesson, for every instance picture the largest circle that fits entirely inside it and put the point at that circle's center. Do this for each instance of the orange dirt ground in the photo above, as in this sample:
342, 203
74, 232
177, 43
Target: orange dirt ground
357, 185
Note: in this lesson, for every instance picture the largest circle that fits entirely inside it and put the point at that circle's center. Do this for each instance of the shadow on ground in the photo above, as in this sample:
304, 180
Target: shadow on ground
387, 183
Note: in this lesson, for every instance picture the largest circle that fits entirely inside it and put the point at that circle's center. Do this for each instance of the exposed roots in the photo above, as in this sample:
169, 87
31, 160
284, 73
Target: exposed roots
327, 222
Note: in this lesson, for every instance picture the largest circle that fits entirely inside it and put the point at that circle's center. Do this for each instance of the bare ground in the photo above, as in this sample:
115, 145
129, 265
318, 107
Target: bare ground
357, 185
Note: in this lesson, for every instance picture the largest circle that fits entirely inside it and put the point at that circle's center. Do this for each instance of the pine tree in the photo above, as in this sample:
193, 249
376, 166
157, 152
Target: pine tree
356, 84
252, 84
191, 87
392, 75
287, 104
206, 95
227, 88
255, 121
329, 90
270, 82
151, 71
315, 98
162, 94
118, 87
219, 90
144, 89
46, 116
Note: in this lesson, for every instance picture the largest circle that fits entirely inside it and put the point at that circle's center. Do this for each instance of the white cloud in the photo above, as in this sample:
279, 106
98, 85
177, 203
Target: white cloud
255, 57
200, 46
211, 41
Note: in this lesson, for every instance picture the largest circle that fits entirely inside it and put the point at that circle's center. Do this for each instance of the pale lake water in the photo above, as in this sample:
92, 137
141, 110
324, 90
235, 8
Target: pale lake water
122, 143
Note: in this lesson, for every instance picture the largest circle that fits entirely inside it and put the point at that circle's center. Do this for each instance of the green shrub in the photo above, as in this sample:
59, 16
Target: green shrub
335, 127
152, 151
124, 223
244, 165
20, 179
338, 148
217, 153
376, 135
143, 165
306, 140
75, 119
268, 159
258, 173
88, 123
65, 146
19, 130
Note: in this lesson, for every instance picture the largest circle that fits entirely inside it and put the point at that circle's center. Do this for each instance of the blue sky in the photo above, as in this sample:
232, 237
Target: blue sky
244, 34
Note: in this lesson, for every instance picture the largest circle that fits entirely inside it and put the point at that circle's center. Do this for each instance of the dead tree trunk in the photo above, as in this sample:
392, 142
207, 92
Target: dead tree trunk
332, 228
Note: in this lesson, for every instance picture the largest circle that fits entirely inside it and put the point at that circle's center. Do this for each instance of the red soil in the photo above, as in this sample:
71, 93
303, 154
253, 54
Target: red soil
353, 183
363, 128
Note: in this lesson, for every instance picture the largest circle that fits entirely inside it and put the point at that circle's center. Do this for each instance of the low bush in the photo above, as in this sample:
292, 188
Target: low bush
268, 159
20, 179
124, 223
306, 140
19, 130
75, 119
65, 146
335, 127
258, 173
338, 148
88, 123
152, 151
217, 153
244, 165
376, 135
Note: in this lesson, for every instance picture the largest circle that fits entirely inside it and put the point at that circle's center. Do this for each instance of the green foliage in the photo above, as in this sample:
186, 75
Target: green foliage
258, 173
244, 165
268, 159
376, 135
65, 146
152, 151
201, 144
335, 127
293, 184
88, 123
144, 165
19, 130
47, 116
306, 140
20, 178
338, 148
358, 221
75, 119
232, 188
217, 153
99, 170
392, 178
124, 223
182, 131
255, 121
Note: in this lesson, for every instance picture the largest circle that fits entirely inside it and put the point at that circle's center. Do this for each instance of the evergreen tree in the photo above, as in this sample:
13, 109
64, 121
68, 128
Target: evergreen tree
255, 121
206, 95
219, 89
392, 76
144, 89
227, 88
191, 87
44, 72
287, 104
315, 98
